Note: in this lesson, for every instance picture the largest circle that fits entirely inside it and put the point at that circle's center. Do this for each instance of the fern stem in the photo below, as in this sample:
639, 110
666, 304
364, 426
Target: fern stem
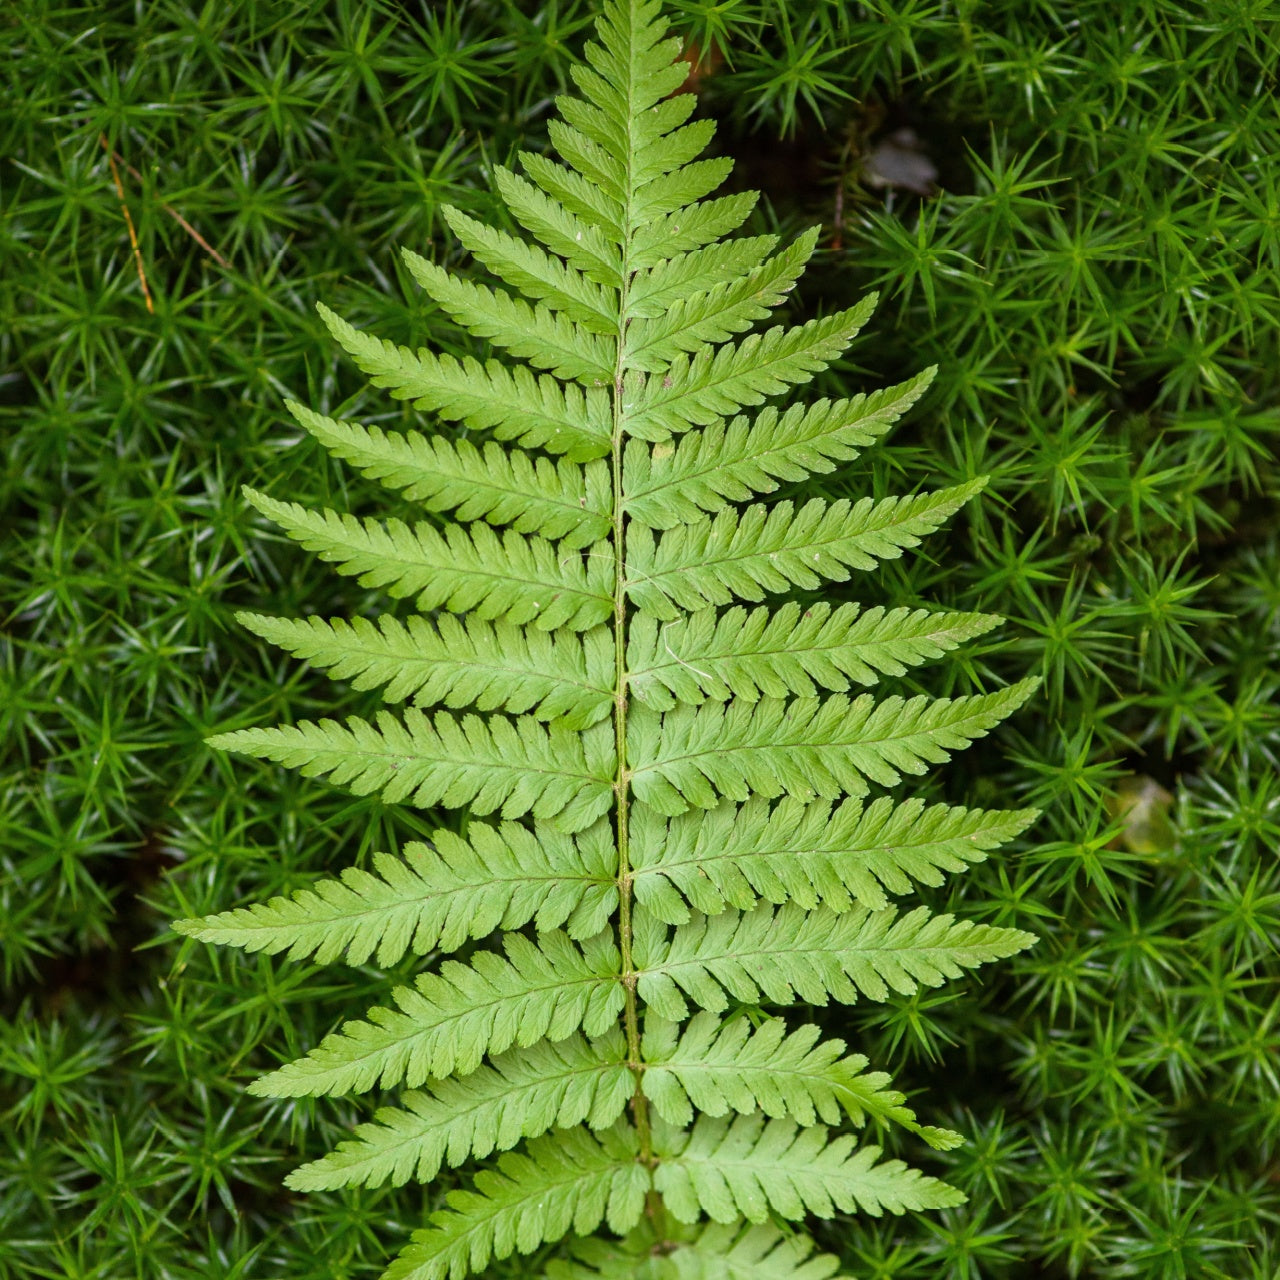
622, 786
622, 782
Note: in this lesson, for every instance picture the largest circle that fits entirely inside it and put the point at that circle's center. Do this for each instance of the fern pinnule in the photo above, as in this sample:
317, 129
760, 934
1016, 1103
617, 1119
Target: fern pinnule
778, 652
503, 486
705, 470
457, 662
436, 897
680, 826
807, 853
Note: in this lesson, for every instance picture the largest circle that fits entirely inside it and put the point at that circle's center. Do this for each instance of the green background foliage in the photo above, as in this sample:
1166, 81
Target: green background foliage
1095, 275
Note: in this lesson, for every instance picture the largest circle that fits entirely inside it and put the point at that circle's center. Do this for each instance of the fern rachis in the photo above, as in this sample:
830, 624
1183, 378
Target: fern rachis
672, 819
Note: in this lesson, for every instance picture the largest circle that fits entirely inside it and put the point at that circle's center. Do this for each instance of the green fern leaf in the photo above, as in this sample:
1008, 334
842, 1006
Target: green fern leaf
511, 577
774, 548
698, 389
741, 654
868, 1095
582, 245
747, 1168
592, 161
726, 1252
784, 955
543, 337
719, 313
572, 1181
680, 777
522, 1095
707, 469
717, 1067
696, 271
533, 495
713, 1252
512, 766
598, 1259
450, 1021
580, 196
536, 273
693, 756
514, 403
689, 229
434, 897
809, 854
458, 662
672, 192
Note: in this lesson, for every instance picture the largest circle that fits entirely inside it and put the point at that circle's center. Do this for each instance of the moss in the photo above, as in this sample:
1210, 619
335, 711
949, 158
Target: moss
1095, 276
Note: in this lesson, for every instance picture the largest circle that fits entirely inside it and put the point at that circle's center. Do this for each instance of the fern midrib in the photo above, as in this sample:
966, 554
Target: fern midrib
622, 784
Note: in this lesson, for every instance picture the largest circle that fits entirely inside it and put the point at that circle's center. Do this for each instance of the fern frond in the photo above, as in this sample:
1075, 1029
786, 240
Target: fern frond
717, 1067
707, 469
670, 155
593, 205
457, 662
714, 1252
748, 1167
809, 854
671, 766
869, 1095
612, 138
593, 1258
674, 191
698, 389
714, 561
434, 897
523, 1094
695, 271
790, 650
637, 68
597, 1259
536, 273
719, 313
547, 339
449, 1021
503, 486
807, 747
595, 163
512, 766
571, 1181
583, 246
690, 228
511, 401
727, 1252
787, 954
511, 577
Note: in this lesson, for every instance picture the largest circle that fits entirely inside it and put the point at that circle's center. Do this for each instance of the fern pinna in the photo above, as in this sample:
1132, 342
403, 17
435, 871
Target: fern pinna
676, 785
